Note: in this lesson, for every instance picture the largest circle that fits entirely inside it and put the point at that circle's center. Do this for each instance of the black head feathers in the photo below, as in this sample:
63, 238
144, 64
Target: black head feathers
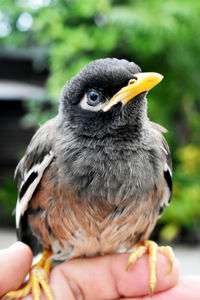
98, 97
108, 75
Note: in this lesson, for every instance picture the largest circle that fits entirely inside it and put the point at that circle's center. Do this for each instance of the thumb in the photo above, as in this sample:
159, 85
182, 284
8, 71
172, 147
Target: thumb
15, 263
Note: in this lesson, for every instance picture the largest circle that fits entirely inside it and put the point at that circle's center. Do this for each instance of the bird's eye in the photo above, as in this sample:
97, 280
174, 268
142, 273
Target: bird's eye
93, 98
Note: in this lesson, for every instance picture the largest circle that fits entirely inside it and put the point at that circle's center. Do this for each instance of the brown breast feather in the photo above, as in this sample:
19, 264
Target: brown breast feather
90, 226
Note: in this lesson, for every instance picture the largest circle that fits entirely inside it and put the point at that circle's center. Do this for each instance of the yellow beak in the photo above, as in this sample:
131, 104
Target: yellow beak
142, 82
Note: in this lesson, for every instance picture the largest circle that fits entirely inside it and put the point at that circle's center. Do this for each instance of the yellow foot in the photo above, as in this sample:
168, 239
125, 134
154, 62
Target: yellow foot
38, 279
153, 248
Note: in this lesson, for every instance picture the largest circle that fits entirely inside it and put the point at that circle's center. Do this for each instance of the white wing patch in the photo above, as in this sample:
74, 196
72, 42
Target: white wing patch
167, 189
37, 170
167, 168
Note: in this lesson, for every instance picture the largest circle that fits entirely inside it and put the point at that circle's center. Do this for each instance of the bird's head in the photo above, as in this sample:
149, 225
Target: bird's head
107, 94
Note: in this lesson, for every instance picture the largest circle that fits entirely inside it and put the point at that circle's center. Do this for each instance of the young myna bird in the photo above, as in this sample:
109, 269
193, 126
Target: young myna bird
95, 178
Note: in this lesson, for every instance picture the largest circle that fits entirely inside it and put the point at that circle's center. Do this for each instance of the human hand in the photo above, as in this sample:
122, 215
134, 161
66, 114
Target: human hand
99, 278
15, 263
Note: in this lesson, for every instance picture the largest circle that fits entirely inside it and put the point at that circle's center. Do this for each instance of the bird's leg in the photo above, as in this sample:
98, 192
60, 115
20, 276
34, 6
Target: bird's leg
38, 279
152, 248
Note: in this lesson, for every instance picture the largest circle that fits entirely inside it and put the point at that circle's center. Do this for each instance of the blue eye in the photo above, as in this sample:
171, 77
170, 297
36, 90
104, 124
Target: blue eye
93, 98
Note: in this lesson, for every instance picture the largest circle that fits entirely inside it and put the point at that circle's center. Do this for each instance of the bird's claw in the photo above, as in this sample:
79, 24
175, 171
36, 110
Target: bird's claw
38, 279
152, 248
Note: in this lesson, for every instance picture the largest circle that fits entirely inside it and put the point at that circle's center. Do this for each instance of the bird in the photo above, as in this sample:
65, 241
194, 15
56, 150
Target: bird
96, 177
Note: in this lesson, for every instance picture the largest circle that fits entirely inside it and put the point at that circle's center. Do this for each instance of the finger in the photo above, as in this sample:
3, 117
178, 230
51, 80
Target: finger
188, 288
15, 263
105, 277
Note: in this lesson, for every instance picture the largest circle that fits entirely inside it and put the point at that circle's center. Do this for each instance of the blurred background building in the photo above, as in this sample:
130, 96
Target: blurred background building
19, 82
45, 42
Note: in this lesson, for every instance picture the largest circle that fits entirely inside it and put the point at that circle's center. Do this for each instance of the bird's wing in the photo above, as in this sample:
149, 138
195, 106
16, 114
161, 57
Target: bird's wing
157, 127
30, 169
166, 164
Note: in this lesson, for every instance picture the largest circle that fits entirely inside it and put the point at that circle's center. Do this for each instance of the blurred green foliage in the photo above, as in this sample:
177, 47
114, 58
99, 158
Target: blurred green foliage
8, 196
159, 35
8, 191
